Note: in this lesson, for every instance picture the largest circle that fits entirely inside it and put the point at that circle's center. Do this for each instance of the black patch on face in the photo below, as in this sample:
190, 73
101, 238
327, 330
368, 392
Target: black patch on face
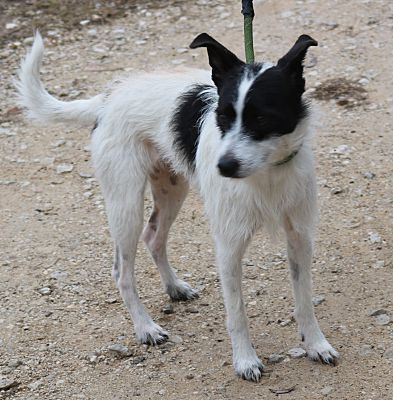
186, 121
273, 106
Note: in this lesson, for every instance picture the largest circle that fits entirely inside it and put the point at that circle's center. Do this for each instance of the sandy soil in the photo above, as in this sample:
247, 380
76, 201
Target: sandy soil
59, 309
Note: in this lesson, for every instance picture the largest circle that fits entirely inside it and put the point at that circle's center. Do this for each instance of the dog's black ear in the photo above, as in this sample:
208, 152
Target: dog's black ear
292, 62
220, 58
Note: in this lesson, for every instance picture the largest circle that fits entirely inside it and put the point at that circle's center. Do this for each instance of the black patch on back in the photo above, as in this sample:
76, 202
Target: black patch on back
185, 123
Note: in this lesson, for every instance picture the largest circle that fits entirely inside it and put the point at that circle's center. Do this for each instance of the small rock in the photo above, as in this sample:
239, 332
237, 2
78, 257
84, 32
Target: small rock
379, 264
275, 358
374, 237
388, 353
28, 41
377, 311
119, 350
111, 301
317, 300
366, 350
336, 190
382, 319
88, 194
35, 385
15, 363
327, 390
192, 310
85, 22
85, 175
11, 25
138, 360
64, 168
175, 339
342, 149
369, 175
168, 309
363, 81
92, 32
285, 322
6, 383
297, 352
59, 275
45, 291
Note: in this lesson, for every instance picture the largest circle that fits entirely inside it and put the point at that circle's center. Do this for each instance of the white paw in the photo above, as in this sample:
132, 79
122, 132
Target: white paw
181, 291
151, 334
250, 369
322, 351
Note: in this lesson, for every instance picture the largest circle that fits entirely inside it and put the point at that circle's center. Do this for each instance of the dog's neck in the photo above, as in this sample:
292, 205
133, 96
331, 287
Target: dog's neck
288, 158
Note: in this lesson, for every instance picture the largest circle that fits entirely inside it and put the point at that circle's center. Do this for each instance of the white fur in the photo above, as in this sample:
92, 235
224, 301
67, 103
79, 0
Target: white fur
133, 144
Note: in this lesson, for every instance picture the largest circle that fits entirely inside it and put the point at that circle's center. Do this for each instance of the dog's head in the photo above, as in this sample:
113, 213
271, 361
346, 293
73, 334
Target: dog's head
258, 103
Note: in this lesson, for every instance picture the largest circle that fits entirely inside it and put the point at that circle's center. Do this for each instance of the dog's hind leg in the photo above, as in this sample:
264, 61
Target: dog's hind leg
300, 258
169, 191
122, 170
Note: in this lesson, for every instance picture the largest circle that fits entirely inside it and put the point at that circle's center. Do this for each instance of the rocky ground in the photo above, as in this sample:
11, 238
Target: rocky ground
64, 332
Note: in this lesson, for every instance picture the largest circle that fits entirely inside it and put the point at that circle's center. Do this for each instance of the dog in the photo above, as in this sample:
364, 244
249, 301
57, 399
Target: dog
240, 133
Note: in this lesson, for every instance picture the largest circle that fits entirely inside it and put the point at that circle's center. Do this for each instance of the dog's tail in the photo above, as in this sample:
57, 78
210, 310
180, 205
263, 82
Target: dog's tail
42, 106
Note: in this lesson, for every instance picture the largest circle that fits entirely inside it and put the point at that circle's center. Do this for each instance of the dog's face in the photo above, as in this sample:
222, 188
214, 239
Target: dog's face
258, 104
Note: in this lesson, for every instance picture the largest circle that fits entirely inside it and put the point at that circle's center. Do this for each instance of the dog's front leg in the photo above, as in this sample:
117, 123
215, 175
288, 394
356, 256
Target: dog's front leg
229, 255
300, 258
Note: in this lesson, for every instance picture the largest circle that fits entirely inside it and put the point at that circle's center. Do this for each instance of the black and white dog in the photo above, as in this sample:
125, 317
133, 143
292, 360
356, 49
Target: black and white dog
241, 135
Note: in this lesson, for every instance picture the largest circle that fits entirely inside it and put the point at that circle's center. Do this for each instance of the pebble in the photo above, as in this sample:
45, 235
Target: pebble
388, 353
92, 32
297, 352
366, 350
382, 319
11, 25
168, 309
374, 237
6, 383
342, 149
119, 350
175, 339
379, 264
317, 300
45, 291
369, 175
64, 168
15, 363
275, 358
35, 385
326, 390
377, 311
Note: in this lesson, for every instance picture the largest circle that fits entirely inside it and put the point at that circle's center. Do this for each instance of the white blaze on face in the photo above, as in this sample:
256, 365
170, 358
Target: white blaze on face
236, 142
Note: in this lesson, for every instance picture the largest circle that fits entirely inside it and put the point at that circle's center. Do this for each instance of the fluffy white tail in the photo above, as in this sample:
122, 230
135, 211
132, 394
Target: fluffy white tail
42, 106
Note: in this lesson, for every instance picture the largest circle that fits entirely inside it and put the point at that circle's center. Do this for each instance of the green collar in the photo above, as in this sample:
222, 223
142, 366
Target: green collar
287, 158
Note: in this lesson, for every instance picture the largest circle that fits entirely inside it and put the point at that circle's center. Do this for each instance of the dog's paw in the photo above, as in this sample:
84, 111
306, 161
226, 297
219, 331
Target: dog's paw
250, 369
181, 291
152, 335
322, 351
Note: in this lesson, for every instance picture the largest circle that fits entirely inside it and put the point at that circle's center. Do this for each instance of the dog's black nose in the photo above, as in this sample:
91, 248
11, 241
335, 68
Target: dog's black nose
228, 166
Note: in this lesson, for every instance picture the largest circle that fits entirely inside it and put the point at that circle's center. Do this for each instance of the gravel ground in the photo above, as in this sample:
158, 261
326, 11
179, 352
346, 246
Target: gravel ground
64, 332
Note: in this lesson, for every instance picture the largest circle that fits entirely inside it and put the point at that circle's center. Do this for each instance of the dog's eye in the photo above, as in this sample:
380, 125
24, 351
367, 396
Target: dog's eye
225, 117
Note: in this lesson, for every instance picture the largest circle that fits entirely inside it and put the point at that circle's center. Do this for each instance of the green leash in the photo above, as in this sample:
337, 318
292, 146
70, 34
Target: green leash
248, 13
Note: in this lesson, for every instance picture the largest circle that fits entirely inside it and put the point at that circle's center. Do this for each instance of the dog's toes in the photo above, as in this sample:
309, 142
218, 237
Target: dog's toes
154, 336
182, 291
250, 371
323, 353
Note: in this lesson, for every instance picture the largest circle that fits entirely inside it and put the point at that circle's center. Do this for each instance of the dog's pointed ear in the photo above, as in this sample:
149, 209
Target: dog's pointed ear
292, 62
220, 58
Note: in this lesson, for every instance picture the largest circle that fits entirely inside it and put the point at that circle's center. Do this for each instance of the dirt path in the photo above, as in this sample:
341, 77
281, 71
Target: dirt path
60, 311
